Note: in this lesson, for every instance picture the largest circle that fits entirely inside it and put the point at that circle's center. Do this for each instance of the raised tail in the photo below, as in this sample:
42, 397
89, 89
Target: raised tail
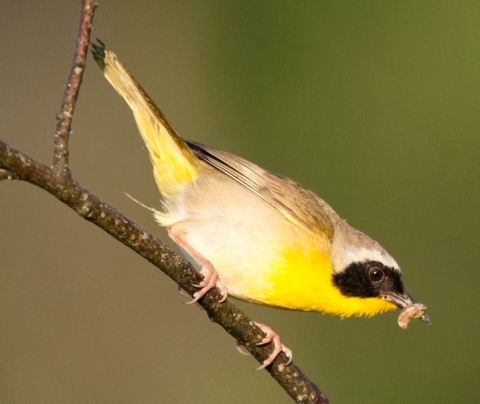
174, 164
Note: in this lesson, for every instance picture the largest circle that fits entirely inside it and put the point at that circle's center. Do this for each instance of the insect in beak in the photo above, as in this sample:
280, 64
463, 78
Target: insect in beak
409, 308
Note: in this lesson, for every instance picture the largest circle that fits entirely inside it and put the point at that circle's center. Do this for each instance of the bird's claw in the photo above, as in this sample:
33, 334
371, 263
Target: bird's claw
272, 336
210, 275
210, 280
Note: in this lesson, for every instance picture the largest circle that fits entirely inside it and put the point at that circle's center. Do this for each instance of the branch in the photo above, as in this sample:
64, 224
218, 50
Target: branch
70, 95
57, 180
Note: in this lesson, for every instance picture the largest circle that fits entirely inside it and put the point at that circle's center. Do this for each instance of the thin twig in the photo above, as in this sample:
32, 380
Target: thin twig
57, 181
70, 95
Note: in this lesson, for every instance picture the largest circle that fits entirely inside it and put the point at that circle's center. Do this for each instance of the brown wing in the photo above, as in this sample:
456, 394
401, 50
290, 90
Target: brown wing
299, 205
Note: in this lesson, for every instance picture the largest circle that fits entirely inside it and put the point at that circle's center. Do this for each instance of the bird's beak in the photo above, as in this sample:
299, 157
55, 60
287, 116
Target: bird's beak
399, 300
405, 301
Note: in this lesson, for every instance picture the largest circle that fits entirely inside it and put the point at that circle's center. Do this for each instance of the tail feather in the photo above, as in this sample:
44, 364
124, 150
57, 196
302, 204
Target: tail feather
174, 164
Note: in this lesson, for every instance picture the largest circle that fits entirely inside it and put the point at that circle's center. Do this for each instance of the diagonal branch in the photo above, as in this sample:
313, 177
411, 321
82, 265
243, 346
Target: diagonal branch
58, 181
226, 314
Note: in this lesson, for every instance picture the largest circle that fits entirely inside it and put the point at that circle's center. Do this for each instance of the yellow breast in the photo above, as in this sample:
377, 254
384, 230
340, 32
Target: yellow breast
301, 279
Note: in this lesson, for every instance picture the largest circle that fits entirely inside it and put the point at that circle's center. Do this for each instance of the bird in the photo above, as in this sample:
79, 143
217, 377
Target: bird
256, 235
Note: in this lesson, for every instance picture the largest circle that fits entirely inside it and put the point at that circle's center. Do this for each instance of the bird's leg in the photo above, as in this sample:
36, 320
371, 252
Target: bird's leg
211, 279
210, 275
272, 336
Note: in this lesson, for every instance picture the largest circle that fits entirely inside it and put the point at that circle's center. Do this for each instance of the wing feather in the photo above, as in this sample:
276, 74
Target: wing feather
299, 205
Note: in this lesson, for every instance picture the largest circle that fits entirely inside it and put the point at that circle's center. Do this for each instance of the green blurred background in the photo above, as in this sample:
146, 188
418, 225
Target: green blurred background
374, 105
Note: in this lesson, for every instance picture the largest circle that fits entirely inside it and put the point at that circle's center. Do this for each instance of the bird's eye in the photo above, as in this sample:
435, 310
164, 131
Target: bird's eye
375, 274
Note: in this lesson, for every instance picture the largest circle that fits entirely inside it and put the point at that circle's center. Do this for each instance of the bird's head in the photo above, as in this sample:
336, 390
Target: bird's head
362, 269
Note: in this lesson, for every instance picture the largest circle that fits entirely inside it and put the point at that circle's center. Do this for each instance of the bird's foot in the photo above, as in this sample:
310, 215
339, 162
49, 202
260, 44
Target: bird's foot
272, 336
210, 280
210, 275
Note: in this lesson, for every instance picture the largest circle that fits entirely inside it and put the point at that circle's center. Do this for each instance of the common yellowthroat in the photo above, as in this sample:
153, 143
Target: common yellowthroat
256, 235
